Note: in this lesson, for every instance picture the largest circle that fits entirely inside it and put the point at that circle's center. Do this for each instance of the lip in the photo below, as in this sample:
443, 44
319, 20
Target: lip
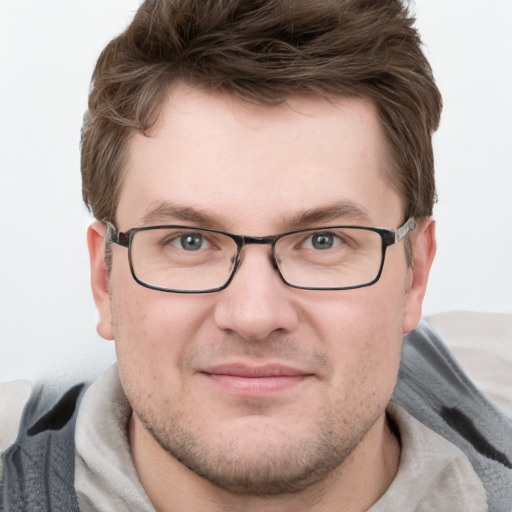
247, 380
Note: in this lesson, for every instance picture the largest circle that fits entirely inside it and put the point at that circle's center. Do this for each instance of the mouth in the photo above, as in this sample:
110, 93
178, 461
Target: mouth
246, 380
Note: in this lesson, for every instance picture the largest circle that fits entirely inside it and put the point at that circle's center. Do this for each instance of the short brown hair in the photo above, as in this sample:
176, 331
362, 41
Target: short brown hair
264, 51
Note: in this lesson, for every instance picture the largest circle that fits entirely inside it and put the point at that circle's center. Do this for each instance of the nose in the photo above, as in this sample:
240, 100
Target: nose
256, 303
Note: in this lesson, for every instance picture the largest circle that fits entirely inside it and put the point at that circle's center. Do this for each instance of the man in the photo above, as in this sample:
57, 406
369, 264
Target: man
262, 176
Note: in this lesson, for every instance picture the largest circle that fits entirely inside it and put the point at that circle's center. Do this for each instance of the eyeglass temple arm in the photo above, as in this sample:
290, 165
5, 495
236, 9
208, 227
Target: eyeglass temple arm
114, 236
404, 229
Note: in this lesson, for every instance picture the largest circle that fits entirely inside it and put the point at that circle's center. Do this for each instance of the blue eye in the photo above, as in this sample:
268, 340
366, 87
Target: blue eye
190, 241
322, 241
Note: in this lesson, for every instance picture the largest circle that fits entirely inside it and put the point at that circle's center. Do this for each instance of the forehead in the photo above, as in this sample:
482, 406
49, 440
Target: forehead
253, 166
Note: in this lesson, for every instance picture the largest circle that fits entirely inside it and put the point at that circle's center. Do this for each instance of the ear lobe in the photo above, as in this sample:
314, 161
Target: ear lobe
99, 279
424, 249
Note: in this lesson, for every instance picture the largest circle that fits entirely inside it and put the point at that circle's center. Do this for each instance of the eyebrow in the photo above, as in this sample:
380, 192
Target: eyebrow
173, 212
338, 212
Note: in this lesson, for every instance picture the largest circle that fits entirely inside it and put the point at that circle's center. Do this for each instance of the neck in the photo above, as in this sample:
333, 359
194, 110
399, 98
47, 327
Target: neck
356, 484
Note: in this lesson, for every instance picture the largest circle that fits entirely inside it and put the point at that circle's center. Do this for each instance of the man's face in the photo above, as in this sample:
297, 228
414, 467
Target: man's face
260, 387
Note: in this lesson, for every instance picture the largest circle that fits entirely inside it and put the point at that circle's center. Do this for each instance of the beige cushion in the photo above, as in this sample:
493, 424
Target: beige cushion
482, 343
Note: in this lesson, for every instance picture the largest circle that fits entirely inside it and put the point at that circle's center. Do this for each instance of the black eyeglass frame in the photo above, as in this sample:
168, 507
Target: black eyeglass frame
388, 236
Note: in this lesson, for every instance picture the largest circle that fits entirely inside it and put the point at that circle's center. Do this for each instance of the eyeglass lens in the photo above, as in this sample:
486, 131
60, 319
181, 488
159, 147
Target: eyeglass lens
190, 259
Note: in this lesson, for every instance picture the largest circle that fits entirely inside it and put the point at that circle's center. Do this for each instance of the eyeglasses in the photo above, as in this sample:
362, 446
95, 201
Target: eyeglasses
184, 259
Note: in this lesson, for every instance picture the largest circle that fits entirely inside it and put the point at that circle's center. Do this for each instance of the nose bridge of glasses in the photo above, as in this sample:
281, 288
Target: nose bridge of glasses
257, 240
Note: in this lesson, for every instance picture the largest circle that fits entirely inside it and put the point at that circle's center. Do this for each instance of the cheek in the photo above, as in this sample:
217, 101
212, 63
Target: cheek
151, 330
361, 330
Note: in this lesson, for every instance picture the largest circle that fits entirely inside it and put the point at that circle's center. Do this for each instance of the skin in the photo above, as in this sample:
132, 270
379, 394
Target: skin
201, 437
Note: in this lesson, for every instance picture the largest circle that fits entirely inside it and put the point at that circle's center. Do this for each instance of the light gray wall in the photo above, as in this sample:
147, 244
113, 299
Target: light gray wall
47, 52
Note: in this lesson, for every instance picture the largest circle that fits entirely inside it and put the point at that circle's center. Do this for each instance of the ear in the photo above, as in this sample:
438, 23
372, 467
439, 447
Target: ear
424, 249
99, 279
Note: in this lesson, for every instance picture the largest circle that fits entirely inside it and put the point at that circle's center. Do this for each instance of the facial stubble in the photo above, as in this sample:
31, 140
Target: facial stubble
254, 463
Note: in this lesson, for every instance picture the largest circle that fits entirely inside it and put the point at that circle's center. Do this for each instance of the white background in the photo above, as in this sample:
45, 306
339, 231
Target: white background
47, 53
